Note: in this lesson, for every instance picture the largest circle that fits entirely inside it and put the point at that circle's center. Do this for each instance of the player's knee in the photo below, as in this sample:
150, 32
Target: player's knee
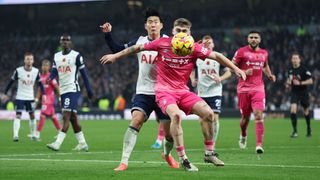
209, 115
175, 117
258, 115
31, 115
18, 115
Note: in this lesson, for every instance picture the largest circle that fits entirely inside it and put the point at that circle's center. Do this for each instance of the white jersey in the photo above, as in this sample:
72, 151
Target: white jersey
206, 86
147, 69
68, 66
26, 82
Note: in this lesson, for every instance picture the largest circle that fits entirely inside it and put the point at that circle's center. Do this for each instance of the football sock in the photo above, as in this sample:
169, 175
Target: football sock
307, 117
167, 147
209, 146
259, 132
160, 134
129, 141
216, 127
16, 127
80, 137
180, 151
243, 127
60, 138
41, 122
56, 122
33, 127
293, 117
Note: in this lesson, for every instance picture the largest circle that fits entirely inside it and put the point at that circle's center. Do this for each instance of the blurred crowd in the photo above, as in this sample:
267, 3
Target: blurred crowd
283, 34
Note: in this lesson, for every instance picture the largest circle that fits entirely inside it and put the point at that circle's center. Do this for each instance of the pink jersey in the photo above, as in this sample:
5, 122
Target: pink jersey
49, 88
246, 58
173, 71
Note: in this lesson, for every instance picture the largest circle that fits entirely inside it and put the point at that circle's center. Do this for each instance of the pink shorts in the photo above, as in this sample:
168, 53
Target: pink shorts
249, 101
184, 100
47, 109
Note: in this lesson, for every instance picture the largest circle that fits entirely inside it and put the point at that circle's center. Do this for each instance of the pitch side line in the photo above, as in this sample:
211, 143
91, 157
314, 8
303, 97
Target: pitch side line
158, 162
145, 151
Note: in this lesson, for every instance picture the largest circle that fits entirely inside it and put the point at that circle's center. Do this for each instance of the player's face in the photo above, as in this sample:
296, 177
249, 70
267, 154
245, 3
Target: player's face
295, 59
153, 25
28, 60
65, 42
45, 67
254, 40
208, 43
178, 29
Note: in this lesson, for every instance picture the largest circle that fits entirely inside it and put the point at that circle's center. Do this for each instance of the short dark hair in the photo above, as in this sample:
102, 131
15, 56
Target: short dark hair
65, 36
28, 54
255, 31
207, 37
295, 53
151, 12
46, 61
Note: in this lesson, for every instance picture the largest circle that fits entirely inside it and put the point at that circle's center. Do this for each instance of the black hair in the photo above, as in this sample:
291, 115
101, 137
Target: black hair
255, 32
151, 12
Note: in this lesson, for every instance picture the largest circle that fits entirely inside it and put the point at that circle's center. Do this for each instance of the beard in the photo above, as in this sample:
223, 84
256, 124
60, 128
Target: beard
254, 46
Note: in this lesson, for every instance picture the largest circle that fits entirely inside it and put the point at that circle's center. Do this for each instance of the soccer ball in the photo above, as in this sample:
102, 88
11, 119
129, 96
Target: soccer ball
182, 44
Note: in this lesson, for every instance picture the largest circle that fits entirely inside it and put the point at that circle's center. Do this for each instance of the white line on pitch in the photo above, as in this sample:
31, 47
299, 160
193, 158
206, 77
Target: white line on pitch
158, 162
144, 151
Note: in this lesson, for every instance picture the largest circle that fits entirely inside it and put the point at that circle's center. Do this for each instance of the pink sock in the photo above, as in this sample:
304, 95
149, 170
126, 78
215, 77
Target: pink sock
55, 121
180, 151
160, 133
259, 132
209, 145
243, 126
41, 122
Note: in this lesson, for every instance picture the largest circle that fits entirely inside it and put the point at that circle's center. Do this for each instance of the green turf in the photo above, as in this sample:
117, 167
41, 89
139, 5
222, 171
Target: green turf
284, 158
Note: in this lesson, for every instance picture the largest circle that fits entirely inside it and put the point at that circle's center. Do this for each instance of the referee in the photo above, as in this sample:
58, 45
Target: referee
299, 77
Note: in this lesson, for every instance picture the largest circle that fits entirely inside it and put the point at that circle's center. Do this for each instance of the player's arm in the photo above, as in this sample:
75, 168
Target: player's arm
114, 45
53, 73
309, 80
111, 58
227, 63
40, 85
226, 75
193, 79
13, 78
268, 73
84, 74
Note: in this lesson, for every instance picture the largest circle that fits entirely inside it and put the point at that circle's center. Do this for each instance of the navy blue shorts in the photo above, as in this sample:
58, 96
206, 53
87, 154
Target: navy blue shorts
69, 101
214, 102
147, 104
28, 105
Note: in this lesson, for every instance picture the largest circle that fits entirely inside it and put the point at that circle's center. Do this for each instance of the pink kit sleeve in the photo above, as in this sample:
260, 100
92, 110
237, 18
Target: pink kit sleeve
201, 52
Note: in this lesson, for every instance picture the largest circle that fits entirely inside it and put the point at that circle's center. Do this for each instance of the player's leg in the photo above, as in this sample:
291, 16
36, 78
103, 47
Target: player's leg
30, 108
16, 126
244, 104
43, 114
207, 121
168, 139
160, 137
82, 144
140, 112
55, 121
258, 105
293, 115
66, 115
305, 105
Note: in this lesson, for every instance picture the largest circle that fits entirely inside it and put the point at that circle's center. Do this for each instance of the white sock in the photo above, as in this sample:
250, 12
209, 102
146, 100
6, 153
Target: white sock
60, 138
167, 147
37, 134
216, 127
16, 127
129, 141
159, 142
80, 137
33, 127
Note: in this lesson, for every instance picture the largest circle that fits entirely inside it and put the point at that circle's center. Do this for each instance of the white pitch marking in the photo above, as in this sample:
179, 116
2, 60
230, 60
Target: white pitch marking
158, 162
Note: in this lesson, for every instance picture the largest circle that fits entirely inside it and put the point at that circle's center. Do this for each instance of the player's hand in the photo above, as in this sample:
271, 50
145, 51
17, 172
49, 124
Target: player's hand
249, 72
194, 83
296, 82
90, 94
4, 98
106, 27
272, 78
216, 78
108, 59
240, 73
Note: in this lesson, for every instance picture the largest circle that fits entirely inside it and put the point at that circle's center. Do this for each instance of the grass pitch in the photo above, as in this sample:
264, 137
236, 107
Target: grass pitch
284, 158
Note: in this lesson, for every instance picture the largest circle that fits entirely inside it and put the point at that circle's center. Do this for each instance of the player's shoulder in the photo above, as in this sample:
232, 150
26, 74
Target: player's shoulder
75, 53
20, 68
35, 69
264, 51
